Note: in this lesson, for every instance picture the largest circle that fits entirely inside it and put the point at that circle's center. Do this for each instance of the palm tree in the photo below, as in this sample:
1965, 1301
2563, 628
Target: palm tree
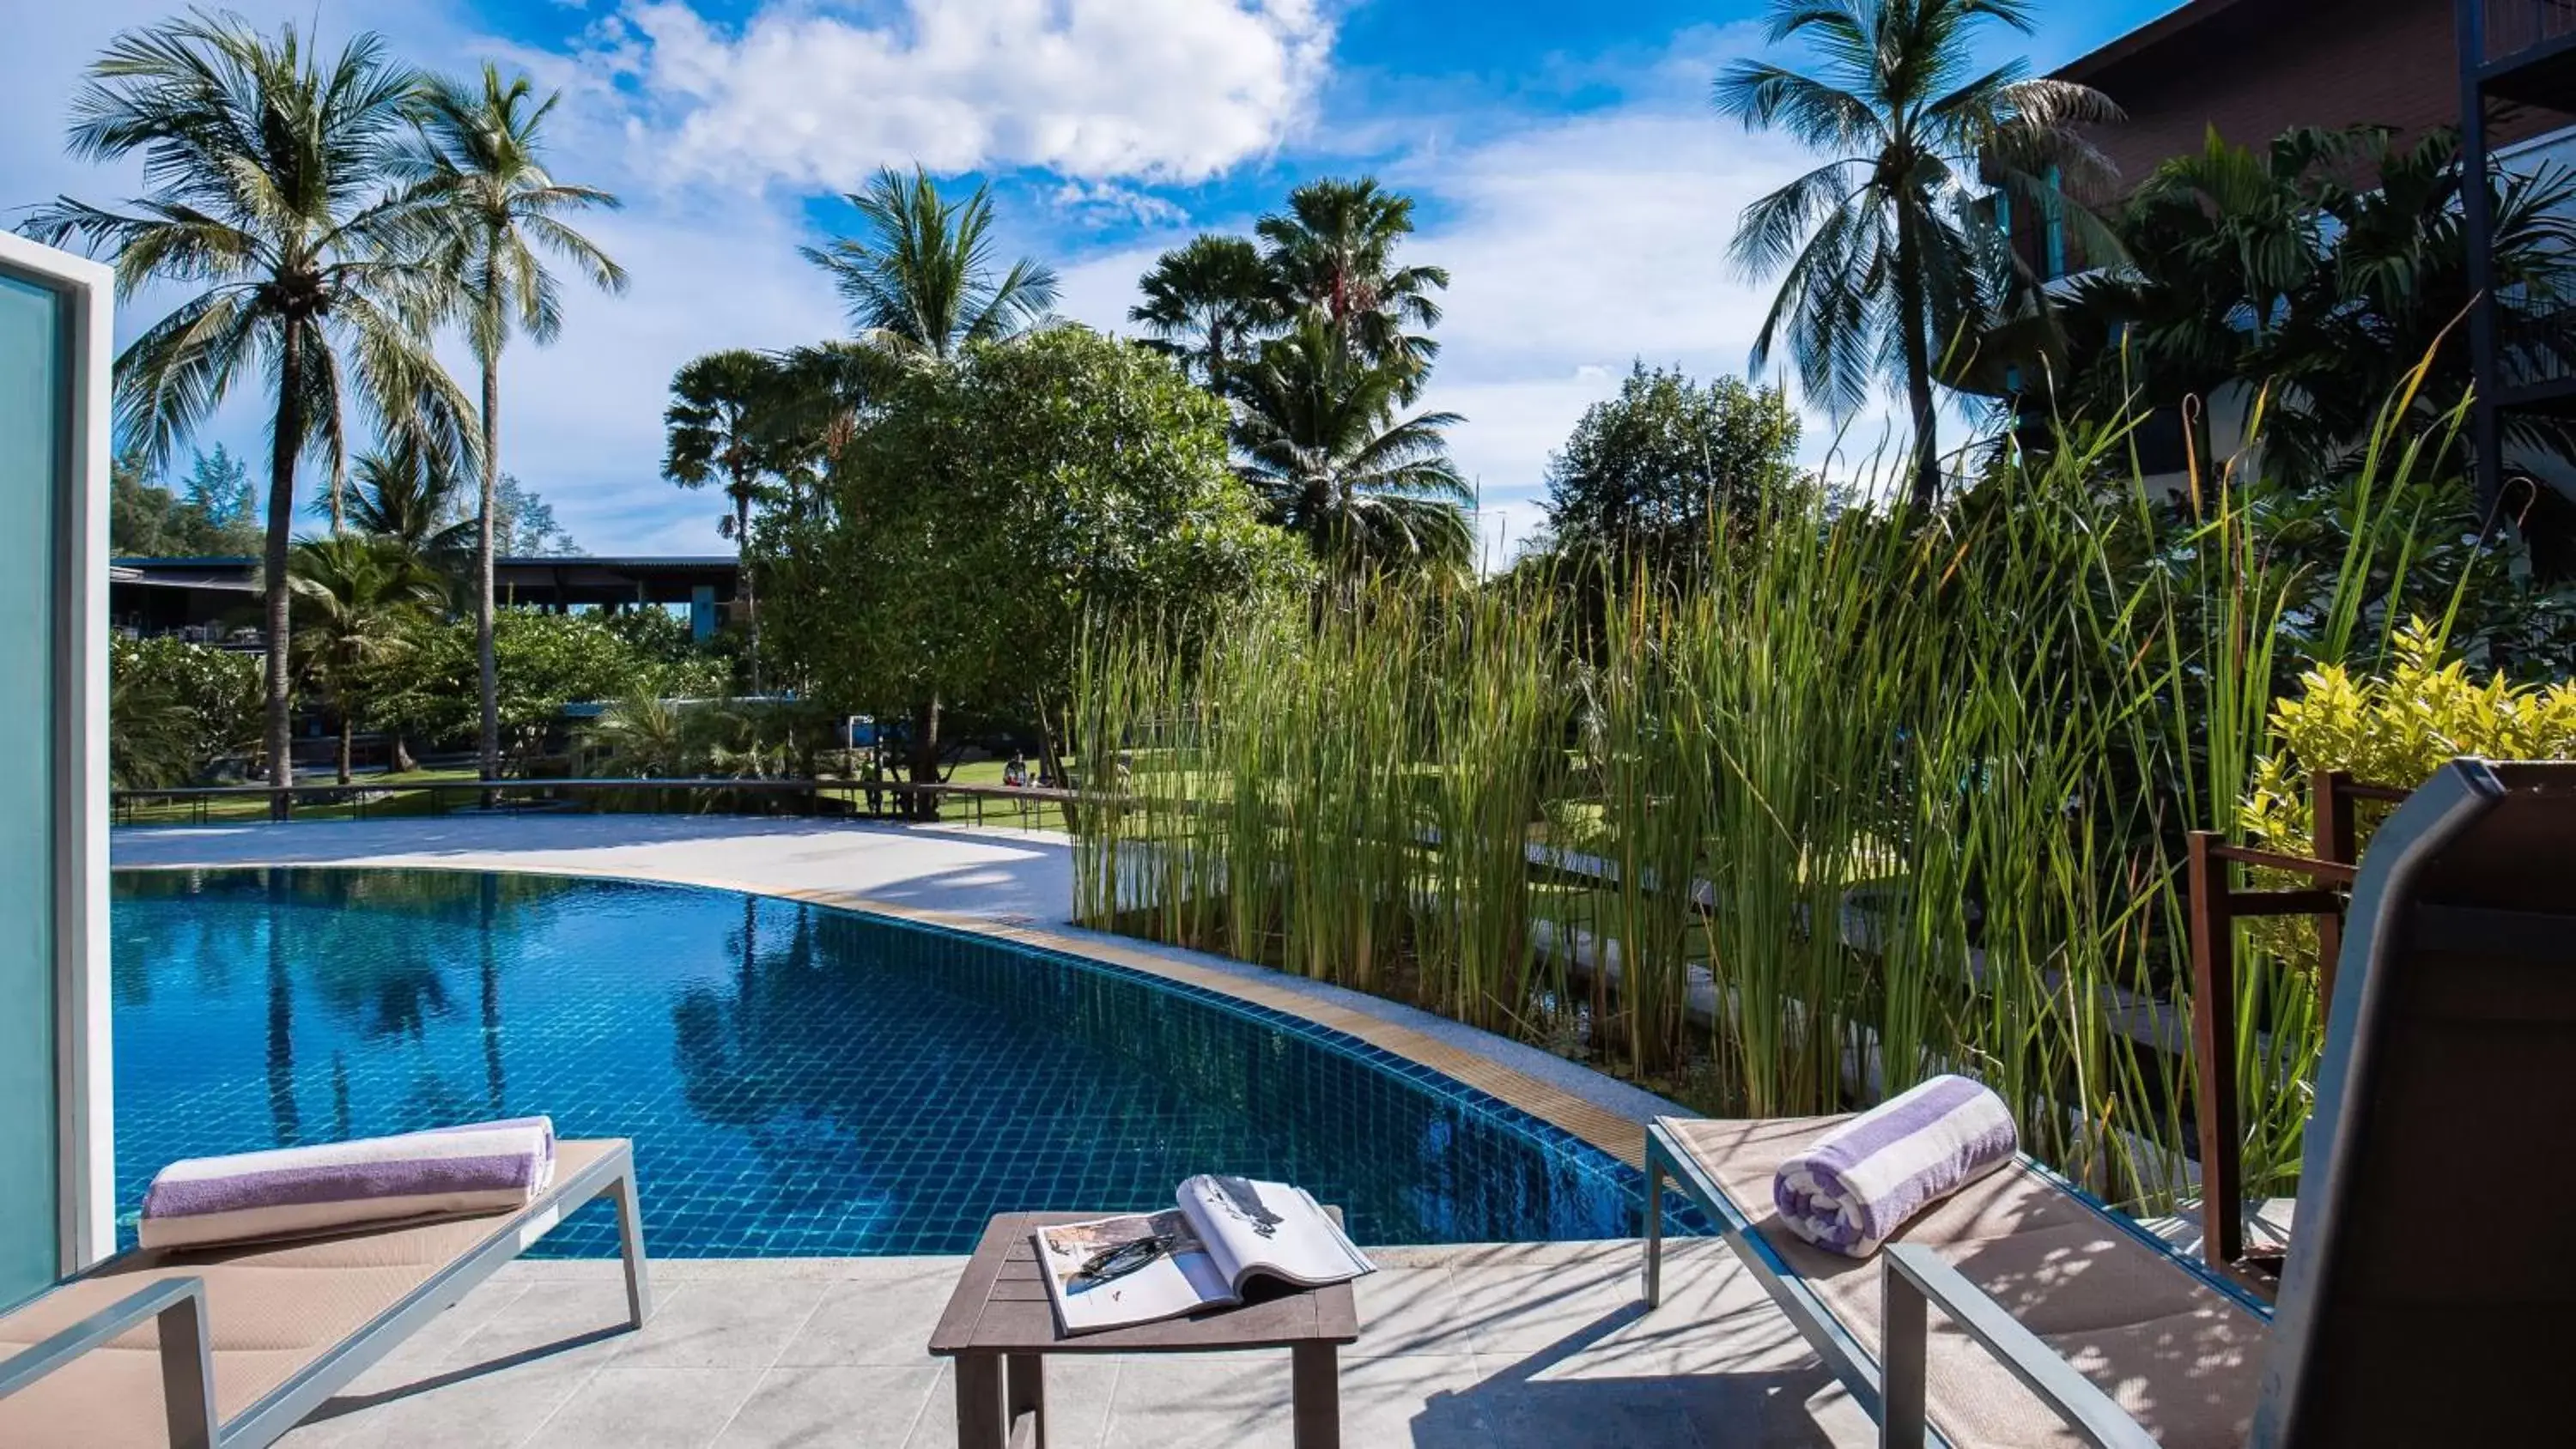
720, 428
2280, 265
1331, 256
266, 167
648, 737
1206, 303
921, 285
479, 163
1319, 441
362, 598
1887, 265
151, 731
406, 494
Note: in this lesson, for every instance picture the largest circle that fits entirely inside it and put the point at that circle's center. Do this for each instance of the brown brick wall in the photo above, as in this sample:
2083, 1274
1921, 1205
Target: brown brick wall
2260, 67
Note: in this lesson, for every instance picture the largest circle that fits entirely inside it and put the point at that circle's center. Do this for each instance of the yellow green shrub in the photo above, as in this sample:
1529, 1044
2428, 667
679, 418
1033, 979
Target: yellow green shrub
2396, 730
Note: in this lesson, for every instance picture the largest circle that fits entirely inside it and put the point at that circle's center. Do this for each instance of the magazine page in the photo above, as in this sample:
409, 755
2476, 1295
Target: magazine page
1132, 1269
1269, 1227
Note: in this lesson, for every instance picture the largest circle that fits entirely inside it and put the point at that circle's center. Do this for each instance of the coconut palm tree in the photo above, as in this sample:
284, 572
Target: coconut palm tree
151, 731
1207, 304
406, 494
266, 167
478, 163
1319, 440
362, 598
1331, 256
921, 285
1884, 264
721, 430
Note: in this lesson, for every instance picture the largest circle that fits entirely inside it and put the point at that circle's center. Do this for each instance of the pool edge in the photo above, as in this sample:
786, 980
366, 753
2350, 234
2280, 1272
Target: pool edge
1451, 1050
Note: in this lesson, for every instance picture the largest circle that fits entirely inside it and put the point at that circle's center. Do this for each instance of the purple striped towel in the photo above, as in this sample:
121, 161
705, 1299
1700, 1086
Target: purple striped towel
297, 1191
1856, 1185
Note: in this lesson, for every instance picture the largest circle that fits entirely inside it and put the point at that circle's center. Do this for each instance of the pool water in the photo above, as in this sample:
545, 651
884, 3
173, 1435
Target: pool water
797, 1080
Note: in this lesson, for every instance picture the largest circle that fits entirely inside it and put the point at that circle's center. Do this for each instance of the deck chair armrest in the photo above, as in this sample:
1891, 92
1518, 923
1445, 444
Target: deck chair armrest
1914, 1278
187, 1354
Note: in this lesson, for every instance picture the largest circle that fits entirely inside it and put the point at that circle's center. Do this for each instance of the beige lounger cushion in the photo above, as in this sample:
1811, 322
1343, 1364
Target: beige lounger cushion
275, 1309
2179, 1356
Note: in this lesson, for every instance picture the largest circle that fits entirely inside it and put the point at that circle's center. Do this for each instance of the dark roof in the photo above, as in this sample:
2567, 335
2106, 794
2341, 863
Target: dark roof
2155, 32
559, 561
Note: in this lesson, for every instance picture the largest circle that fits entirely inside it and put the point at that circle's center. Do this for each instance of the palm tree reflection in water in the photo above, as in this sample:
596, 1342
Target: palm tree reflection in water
281, 1017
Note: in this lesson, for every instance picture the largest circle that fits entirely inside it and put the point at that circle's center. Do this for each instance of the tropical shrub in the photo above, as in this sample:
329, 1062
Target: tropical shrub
2396, 729
546, 662
176, 709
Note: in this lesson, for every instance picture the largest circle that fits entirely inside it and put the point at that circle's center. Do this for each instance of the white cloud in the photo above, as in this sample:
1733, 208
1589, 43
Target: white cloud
1091, 89
1104, 202
582, 420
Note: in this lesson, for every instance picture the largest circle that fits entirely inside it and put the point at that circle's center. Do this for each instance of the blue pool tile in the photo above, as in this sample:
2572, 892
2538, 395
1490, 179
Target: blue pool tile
797, 1080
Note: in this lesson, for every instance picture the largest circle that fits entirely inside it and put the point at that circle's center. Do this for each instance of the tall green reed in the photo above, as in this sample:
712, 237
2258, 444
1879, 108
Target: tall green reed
1895, 795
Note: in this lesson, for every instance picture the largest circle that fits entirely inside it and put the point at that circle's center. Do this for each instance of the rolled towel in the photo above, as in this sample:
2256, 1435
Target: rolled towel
1856, 1185
299, 1191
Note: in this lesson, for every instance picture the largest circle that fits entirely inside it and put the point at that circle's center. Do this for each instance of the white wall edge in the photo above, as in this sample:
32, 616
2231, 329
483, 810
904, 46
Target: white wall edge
84, 1023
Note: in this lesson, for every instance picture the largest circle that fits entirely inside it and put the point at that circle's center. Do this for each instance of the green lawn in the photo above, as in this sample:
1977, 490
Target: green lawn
393, 800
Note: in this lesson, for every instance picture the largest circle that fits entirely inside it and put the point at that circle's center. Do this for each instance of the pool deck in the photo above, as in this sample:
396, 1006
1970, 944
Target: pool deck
1539, 1346
1523, 1344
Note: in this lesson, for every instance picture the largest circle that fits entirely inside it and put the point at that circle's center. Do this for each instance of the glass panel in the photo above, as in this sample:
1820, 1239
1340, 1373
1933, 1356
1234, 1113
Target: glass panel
32, 406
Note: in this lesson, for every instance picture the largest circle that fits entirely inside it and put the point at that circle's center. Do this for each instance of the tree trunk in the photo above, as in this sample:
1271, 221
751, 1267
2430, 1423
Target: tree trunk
1911, 315
348, 735
402, 761
489, 669
339, 491
289, 434
742, 566
925, 757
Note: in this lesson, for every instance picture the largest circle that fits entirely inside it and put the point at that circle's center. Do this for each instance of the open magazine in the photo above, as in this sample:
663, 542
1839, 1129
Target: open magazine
1226, 1232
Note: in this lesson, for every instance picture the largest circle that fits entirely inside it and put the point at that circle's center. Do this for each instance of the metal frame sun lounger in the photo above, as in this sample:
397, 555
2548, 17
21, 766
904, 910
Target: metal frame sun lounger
2454, 1028
230, 1347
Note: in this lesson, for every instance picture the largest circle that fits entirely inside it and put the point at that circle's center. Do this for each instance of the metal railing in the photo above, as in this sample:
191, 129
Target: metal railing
845, 799
2535, 340
2510, 27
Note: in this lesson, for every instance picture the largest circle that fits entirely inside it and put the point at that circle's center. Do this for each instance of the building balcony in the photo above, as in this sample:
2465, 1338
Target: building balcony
2526, 50
2535, 363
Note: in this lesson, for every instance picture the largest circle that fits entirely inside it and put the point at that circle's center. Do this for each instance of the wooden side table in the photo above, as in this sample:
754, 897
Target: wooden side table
1000, 1327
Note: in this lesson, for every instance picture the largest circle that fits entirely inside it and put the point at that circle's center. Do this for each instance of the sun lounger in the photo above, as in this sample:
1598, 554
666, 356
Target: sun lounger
2433, 1264
228, 1348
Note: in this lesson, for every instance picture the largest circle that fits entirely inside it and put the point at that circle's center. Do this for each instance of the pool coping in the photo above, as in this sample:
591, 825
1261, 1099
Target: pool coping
1590, 1106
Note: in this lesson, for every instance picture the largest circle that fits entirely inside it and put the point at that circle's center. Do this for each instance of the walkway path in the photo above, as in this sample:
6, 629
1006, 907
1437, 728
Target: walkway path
959, 870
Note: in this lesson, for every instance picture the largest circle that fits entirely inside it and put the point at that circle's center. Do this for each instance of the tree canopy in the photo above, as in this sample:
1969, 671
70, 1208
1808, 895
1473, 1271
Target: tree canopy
986, 510
1648, 472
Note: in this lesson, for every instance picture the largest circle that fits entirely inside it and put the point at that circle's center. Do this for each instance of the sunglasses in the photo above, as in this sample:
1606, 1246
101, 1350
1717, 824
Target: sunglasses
1110, 1264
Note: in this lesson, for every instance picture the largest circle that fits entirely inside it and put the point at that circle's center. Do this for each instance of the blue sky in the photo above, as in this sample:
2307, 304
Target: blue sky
1567, 169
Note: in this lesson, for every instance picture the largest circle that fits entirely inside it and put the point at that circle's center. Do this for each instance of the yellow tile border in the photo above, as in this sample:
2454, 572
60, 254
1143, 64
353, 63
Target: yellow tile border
1621, 1136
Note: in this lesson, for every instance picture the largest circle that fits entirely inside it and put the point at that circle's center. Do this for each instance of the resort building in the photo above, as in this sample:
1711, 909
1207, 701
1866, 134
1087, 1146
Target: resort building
216, 600
2250, 70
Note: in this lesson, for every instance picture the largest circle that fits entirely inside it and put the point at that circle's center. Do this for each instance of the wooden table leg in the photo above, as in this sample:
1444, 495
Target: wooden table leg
1024, 1392
1316, 1382
981, 1423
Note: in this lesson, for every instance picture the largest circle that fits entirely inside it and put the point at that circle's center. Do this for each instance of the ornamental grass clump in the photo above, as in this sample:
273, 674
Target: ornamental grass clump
1859, 797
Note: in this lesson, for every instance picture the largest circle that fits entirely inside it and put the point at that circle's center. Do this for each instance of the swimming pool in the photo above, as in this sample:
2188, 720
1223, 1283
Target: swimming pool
798, 1080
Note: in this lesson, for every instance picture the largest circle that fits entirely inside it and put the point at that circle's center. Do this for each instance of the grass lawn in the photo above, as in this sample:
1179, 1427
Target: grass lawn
387, 795
393, 800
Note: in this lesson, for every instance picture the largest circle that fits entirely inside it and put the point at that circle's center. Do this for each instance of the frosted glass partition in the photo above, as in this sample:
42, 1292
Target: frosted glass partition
53, 1018
31, 425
